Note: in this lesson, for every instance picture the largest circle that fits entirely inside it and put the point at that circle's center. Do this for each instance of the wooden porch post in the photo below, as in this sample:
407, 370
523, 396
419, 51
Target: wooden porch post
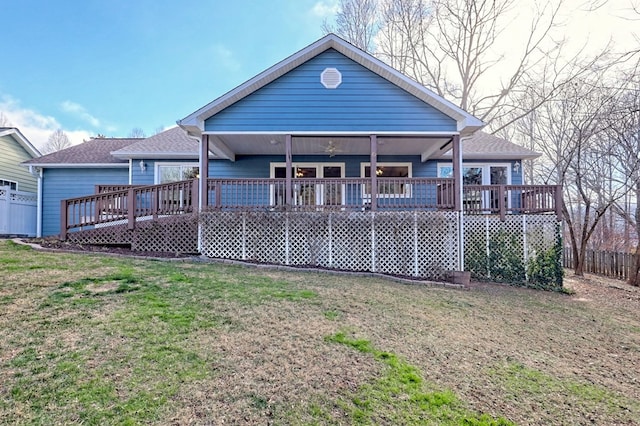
558, 201
457, 173
287, 188
63, 220
203, 199
372, 172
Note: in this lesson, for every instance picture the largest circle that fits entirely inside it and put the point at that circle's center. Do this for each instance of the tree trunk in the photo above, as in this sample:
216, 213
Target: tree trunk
634, 274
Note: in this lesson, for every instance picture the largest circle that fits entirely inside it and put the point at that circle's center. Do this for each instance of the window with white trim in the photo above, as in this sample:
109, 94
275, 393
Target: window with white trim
391, 183
480, 174
11, 184
313, 193
174, 172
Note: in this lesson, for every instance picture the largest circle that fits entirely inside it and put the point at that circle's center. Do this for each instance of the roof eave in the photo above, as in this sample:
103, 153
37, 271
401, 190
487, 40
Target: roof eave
76, 165
22, 140
155, 155
489, 157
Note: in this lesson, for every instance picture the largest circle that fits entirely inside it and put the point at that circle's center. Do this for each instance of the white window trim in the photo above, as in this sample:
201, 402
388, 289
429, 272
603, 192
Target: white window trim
406, 190
486, 172
158, 164
318, 166
319, 175
10, 182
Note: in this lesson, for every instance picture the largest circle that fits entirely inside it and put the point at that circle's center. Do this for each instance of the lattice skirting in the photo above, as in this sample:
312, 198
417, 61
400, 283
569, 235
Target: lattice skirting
500, 251
419, 244
172, 234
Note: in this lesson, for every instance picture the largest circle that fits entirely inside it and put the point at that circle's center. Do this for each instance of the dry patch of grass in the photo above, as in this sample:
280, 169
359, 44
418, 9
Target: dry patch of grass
98, 340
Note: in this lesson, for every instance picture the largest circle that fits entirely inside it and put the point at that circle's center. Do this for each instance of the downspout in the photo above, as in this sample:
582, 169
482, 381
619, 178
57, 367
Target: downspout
38, 172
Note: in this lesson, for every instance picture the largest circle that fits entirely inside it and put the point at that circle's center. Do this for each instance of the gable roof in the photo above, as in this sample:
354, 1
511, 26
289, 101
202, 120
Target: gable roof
94, 153
173, 143
485, 146
23, 141
466, 123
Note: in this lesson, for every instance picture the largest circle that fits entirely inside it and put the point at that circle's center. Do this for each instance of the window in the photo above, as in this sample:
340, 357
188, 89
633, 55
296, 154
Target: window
480, 174
171, 172
392, 181
11, 184
171, 199
313, 193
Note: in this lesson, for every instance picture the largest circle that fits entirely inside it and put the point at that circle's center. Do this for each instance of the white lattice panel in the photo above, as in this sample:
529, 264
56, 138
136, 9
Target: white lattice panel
265, 237
500, 250
305, 247
438, 244
395, 243
422, 244
351, 241
223, 235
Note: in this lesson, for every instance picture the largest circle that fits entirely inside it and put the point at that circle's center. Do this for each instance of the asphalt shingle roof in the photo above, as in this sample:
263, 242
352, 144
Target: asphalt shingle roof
171, 142
93, 151
487, 146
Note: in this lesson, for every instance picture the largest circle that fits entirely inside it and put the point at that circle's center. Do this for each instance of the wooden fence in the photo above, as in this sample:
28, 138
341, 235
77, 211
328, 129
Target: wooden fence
605, 263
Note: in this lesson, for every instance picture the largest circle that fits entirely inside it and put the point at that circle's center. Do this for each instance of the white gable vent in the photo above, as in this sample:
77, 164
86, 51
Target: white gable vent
330, 78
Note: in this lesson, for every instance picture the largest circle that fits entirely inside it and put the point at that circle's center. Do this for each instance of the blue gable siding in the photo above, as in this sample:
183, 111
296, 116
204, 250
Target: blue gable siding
297, 101
59, 184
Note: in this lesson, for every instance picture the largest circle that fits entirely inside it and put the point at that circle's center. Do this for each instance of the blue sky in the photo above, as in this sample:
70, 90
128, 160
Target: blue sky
107, 66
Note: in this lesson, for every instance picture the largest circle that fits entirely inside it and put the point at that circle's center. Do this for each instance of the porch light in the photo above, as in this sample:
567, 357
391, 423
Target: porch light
143, 166
299, 173
379, 172
516, 167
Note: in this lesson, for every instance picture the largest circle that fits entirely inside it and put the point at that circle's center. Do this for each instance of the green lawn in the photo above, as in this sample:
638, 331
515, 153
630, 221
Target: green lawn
90, 339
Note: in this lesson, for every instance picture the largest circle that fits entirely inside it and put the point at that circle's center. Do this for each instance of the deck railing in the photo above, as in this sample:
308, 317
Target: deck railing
505, 199
129, 204
333, 193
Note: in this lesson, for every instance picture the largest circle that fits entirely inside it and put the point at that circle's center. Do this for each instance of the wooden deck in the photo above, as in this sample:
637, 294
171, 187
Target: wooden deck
131, 204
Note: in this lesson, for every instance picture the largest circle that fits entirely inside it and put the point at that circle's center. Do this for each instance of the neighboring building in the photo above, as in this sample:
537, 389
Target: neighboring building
18, 186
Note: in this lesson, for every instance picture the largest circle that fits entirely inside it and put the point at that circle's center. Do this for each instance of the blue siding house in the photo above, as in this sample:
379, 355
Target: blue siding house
329, 158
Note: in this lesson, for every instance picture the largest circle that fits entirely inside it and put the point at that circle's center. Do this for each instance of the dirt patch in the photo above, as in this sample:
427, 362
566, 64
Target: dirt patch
121, 250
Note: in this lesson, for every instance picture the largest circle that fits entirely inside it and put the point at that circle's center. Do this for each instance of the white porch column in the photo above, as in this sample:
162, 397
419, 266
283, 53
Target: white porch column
457, 196
372, 172
287, 189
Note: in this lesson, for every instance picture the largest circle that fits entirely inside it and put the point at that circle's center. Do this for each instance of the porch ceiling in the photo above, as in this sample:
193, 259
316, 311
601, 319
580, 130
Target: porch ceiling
228, 146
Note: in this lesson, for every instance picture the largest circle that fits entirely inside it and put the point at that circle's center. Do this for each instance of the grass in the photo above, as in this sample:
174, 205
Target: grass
89, 339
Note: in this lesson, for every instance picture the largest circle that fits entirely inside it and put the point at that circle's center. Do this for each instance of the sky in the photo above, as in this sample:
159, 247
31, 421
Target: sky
93, 67
107, 66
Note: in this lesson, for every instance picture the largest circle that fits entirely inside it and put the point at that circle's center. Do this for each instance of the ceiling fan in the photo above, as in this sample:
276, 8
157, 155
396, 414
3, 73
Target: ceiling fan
332, 148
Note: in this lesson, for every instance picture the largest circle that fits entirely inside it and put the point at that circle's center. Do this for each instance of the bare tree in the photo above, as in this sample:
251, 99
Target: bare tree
624, 131
57, 140
4, 120
450, 46
137, 132
356, 21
